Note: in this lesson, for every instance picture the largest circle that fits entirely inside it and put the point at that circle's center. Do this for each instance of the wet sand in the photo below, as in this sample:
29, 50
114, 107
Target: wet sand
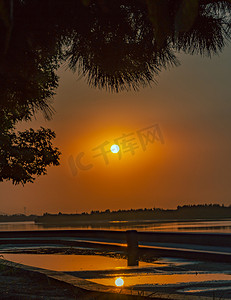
18, 285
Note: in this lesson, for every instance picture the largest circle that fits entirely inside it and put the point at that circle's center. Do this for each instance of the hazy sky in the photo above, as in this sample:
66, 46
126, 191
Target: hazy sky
192, 106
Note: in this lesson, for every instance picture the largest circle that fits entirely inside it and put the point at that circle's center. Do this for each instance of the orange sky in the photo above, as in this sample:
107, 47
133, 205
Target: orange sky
191, 104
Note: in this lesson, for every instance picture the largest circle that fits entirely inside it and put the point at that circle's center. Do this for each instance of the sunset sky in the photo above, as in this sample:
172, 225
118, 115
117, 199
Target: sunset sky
191, 105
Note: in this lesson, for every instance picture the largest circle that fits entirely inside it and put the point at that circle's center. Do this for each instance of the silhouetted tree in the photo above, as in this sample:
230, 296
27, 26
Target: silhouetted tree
26, 154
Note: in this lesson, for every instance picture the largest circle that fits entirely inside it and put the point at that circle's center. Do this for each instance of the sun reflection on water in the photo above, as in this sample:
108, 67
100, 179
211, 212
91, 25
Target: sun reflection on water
119, 282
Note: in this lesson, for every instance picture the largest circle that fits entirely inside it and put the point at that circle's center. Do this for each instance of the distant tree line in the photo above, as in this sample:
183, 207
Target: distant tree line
16, 218
185, 212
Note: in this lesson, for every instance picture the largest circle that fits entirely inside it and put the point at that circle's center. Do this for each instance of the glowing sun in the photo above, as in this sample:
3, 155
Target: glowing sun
115, 148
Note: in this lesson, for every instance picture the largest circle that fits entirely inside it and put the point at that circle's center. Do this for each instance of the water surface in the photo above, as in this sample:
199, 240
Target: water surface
146, 275
58, 262
219, 226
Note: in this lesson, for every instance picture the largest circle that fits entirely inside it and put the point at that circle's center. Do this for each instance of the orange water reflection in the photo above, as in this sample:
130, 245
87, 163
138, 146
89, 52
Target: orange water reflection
95, 262
71, 262
162, 279
219, 226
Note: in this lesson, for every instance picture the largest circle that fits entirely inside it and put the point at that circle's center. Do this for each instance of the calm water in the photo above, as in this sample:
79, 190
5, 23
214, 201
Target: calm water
145, 275
58, 262
162, 279
220, 226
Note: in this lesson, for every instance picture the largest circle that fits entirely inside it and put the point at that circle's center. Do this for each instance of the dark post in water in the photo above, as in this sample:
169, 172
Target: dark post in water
132, 246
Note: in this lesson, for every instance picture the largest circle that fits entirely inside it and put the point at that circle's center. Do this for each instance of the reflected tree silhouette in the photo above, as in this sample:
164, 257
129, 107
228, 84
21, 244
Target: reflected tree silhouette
115, 45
